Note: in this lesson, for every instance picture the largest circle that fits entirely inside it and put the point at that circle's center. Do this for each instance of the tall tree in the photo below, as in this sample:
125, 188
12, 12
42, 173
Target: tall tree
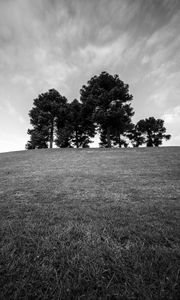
135, 136
76, 130
121, 123
107, 101
38, 138
64, 129
153, 131
117, 140
47, 109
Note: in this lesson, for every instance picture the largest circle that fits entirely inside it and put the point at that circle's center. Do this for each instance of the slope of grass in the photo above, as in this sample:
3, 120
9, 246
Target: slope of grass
90, 224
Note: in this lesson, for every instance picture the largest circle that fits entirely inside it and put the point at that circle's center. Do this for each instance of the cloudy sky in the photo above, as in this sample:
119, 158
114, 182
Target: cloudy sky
61, 44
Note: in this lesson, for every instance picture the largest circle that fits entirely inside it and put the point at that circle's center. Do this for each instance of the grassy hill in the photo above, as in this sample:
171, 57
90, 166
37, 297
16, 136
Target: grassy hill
90, 224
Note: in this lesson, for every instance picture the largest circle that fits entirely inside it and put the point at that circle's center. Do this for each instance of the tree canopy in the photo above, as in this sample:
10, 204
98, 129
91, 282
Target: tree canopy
77, 130
107, 100
47, 109
153, 131
104, 108
135, 136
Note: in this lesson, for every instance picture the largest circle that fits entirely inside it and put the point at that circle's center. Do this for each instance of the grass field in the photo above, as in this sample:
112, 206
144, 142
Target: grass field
90, 224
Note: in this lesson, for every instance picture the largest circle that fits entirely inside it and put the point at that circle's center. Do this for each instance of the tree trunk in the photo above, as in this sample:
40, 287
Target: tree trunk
52, 134
119, 140
108, 138
150, 141
77, 144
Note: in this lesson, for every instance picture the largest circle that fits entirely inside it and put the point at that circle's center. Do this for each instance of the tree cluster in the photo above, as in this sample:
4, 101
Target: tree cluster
104, 108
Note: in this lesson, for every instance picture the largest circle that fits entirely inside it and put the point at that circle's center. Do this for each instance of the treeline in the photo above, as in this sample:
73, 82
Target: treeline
104, 108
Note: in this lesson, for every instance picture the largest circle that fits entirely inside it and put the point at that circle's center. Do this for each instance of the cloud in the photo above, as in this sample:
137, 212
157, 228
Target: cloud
160, 64
163, 42
21, 120
11, 142
10, 109
145, 59
173, 116
172, 123
165, 93
13, 112
103, 56
45, 35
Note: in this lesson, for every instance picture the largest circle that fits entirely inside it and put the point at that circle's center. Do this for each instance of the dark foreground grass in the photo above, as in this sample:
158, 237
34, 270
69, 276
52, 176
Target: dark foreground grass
90, 224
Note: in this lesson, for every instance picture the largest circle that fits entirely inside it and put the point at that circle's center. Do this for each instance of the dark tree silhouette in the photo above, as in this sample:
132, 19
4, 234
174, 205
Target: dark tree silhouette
39, 139
153, 131
136, 137
77, 129
107, 101
105, 107
48, 108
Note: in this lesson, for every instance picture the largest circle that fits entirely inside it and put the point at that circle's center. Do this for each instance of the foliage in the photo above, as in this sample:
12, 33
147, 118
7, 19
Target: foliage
136, 137
39, 139
47, 109
76, 130
105, 107
117, 140
106, 99
153, 131
63, 129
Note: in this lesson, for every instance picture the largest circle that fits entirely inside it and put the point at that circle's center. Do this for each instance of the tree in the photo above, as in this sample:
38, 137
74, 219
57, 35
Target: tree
80, 134
107, 102
116, 140
64, 137
136, 137
76, 130
121, 124
153, 131
48, 108
63, 129
38, 139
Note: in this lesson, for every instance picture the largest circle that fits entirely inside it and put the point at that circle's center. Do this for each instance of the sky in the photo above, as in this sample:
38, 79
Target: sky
61, 44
